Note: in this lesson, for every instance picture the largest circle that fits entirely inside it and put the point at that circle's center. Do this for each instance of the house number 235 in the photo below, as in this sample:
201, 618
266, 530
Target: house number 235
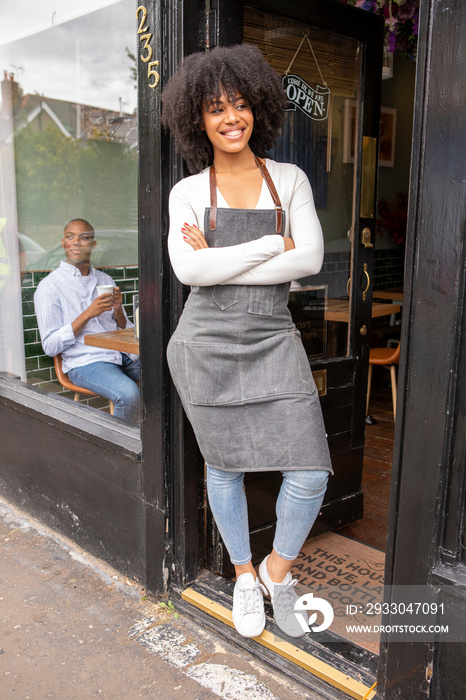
146, 53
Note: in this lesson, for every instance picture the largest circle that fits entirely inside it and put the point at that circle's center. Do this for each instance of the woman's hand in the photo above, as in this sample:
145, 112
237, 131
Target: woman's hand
194, 237
289, 243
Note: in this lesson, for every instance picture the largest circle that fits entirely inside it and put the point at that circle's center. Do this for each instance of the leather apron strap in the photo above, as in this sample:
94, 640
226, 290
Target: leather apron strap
213, 199
276, 199
268, 181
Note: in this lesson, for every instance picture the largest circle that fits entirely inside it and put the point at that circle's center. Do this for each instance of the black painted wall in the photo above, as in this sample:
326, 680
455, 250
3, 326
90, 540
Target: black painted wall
77, 471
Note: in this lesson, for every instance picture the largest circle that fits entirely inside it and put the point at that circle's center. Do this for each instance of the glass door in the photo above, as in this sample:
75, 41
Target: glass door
322, 80
330, 64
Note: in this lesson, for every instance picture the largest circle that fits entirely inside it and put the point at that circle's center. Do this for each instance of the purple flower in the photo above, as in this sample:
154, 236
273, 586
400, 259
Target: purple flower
401, 22
391, 41
407, 10
366, 4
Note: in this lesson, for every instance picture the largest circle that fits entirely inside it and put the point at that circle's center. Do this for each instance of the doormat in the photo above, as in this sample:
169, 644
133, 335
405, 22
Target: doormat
348, 574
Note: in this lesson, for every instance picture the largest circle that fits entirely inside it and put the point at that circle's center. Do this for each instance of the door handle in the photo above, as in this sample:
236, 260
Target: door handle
366, 238
368, 283
368, 280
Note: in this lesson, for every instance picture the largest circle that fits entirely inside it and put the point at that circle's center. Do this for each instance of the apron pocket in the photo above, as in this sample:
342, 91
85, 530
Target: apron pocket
225, 295
216, 374
212, 373
261, 299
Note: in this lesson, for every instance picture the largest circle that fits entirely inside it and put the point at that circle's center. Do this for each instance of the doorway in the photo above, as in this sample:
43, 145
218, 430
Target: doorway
331, 68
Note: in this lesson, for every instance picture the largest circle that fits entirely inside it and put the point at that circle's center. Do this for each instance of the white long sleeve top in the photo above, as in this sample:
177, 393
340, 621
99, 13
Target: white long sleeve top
262, 261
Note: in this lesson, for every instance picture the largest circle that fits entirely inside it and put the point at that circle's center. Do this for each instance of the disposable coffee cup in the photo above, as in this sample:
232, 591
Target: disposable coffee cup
104, 289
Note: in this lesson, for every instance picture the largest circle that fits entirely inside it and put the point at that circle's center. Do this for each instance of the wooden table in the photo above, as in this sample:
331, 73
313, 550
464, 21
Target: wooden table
338, 310
120, 340
393, 293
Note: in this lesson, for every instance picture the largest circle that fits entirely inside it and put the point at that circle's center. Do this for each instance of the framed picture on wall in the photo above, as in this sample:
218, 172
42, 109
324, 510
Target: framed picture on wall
387, 134
387, 137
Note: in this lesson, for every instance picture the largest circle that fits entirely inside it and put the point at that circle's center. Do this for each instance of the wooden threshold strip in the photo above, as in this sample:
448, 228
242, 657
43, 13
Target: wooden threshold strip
309, 663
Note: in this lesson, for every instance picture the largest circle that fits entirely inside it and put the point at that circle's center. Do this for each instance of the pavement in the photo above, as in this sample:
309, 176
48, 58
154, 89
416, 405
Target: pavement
72, 628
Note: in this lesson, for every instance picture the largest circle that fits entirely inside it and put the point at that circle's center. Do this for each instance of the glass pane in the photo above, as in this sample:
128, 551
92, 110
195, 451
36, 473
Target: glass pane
68, 142
323, 76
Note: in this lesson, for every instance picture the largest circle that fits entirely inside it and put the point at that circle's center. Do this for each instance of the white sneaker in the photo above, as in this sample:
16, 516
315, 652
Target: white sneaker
248, 606
283, 598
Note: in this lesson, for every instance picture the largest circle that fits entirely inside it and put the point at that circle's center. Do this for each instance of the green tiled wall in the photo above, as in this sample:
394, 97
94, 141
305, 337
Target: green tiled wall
39, 367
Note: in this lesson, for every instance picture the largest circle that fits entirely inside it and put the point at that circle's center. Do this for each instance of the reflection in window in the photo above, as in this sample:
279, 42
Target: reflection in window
68, 147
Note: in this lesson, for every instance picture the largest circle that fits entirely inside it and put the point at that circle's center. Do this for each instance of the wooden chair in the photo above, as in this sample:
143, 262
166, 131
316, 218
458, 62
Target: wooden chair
389, 358
67, 384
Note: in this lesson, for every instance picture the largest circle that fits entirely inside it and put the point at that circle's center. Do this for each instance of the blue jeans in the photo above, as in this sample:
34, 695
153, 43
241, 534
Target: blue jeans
114, 382
298, 504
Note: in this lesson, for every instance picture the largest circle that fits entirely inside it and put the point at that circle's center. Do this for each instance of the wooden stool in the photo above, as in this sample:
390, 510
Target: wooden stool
389, 358
67, 384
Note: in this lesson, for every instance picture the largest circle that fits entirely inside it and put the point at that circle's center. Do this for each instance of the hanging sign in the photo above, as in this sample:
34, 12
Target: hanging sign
312, 101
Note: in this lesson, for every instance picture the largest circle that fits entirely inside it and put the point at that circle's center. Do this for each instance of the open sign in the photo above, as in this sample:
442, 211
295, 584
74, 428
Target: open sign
312, 101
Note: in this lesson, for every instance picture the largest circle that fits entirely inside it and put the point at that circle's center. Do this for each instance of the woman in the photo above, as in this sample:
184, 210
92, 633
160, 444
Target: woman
241, 229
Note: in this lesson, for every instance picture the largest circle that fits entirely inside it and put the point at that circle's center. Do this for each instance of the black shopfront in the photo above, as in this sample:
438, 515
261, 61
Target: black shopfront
134, 496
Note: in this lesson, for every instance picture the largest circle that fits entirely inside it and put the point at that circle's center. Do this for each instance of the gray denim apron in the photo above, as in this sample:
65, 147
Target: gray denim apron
238, 363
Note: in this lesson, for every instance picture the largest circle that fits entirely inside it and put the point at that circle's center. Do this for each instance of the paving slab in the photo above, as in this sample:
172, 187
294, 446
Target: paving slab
72, 628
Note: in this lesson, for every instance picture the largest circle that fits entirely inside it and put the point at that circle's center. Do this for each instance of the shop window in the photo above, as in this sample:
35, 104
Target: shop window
68, 140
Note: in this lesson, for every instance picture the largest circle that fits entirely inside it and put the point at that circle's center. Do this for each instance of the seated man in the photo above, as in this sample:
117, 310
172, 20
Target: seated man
67, 307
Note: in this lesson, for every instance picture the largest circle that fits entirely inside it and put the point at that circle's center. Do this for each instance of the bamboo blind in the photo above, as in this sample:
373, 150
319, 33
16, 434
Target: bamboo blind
279, 38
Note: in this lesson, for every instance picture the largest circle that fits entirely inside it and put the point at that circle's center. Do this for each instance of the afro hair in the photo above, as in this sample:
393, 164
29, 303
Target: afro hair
203, 77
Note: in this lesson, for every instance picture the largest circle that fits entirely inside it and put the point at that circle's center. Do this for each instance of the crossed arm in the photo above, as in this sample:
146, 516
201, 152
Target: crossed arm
271, 259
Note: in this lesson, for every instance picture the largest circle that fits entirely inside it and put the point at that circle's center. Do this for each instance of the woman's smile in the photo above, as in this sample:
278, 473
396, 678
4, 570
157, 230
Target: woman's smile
232, 133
